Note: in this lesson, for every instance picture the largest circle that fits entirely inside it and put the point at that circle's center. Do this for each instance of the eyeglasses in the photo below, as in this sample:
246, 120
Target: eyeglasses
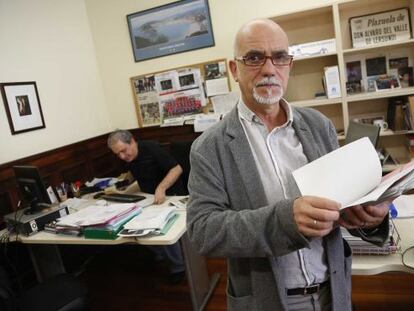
259, 59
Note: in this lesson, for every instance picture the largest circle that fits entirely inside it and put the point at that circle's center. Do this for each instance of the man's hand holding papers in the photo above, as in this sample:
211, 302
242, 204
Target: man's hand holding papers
363, 216
314, 216
352, 176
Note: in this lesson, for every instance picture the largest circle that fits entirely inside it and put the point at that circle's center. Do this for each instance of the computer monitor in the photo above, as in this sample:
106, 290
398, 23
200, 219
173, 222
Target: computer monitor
33, 192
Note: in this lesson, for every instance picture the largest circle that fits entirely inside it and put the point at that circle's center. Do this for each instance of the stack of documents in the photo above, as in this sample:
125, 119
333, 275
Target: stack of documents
96, 214
97, 221
352, 175
110, 230
54, 227
152, 220
361, 247
179, 202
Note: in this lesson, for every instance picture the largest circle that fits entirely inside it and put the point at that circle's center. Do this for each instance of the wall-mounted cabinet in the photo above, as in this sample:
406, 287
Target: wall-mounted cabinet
333, 22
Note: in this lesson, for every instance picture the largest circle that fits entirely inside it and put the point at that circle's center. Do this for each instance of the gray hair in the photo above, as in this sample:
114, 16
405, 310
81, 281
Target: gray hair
119, 135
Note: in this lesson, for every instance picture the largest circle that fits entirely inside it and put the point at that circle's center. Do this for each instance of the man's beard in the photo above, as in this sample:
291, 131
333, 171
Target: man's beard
269, 99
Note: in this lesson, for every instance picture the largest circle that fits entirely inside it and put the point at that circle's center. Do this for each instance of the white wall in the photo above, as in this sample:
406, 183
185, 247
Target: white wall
49, 41
116, 62
79, 53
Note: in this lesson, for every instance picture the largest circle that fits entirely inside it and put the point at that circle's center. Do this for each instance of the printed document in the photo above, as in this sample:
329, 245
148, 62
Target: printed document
151, 218
351, 175
96, 214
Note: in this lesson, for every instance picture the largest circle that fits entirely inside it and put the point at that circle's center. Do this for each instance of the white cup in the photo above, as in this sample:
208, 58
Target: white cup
383, 125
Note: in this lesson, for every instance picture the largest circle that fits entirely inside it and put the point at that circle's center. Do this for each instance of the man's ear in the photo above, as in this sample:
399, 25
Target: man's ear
233, 69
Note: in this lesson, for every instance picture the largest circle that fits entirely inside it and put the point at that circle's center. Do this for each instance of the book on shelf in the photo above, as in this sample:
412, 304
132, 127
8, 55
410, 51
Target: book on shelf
410, 108
400, 116
331, 82
410, 144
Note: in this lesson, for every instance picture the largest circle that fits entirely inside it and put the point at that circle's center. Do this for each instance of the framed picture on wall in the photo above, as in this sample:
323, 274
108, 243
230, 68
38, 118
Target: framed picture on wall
172, 28
22, 104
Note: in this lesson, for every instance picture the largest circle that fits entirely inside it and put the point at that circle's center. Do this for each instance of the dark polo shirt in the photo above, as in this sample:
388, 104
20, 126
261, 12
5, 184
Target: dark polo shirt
151, 166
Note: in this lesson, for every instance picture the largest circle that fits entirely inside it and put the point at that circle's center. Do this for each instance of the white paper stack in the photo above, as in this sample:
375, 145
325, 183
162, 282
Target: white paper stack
151, 221
96, 214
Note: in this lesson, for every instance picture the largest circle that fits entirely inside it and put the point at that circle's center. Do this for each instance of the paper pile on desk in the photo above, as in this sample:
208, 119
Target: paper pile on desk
152, 220
351, 175
361, 247
96, 214
110, 230
179, 202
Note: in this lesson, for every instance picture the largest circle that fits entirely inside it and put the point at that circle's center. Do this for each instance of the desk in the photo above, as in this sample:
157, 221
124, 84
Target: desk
47, 261
376, 264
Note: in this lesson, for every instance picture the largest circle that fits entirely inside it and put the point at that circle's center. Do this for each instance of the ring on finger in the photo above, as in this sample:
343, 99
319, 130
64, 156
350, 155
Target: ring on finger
315, 222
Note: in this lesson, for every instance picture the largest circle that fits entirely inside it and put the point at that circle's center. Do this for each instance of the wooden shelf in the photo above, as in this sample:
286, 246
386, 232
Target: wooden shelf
370, 48
303, 58
382, 94
394, 133
316, 102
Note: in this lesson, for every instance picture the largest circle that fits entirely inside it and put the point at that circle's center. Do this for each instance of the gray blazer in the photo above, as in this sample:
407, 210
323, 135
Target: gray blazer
229, 216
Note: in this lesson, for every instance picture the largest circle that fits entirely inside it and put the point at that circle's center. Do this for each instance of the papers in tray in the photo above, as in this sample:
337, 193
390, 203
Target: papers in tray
96, 215
361, 247
351, 175
152, 220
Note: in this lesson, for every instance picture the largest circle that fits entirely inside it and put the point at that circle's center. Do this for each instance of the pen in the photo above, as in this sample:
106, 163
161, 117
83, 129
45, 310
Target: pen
393, 210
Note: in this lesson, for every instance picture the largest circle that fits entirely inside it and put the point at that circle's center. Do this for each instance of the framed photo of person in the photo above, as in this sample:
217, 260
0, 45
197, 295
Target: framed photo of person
169, 29
353, 71
22, 104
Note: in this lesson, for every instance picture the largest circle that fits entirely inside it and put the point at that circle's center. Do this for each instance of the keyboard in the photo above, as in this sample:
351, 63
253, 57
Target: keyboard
120, 197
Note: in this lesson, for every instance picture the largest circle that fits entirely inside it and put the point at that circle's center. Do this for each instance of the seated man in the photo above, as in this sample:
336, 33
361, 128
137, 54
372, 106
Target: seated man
157, 173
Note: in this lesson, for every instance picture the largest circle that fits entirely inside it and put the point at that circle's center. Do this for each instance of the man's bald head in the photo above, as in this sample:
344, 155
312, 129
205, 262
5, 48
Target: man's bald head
256, 26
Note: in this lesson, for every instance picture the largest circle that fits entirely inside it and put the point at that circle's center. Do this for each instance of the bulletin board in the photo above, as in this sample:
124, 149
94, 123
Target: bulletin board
171, 97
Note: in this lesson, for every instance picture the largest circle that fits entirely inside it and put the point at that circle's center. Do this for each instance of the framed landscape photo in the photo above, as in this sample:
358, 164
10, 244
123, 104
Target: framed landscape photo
172, 28
22, 104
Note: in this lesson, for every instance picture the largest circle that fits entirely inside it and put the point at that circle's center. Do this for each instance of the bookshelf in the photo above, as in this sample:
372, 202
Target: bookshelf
332, 22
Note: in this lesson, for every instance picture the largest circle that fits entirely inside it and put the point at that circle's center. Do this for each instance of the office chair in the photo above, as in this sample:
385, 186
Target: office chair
358, 130
60, 293
180, 150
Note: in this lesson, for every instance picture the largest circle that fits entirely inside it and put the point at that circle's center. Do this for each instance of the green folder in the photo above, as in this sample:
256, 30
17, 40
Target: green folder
108, 232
